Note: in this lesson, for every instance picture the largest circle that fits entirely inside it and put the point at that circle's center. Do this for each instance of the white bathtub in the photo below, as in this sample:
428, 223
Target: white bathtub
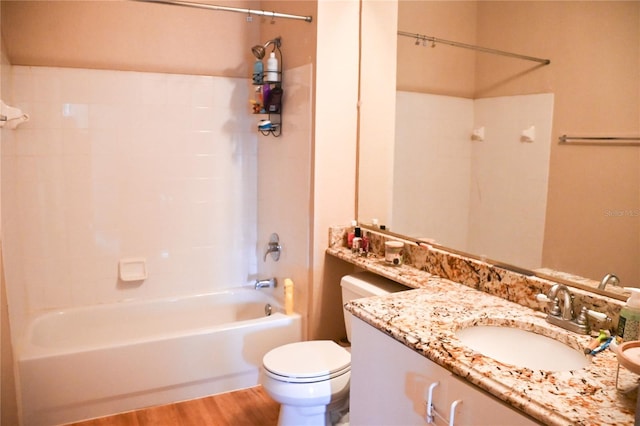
89, 362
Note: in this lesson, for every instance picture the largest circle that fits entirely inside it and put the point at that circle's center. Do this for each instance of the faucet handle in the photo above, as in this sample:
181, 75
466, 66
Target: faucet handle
599, 316
273, 247
554, 304
585, 312
542, 298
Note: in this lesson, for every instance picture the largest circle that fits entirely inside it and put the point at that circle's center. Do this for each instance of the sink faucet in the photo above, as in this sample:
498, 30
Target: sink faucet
609, 278
562, 315
567, 303
270, 282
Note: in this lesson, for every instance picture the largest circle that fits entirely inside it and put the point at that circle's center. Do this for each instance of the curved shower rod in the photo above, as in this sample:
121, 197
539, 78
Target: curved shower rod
248, 12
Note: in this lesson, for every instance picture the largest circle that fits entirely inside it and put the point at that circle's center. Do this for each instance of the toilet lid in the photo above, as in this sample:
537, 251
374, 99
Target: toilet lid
315, 359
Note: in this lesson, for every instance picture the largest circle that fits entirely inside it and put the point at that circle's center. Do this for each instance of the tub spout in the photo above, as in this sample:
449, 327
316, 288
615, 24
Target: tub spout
270, 282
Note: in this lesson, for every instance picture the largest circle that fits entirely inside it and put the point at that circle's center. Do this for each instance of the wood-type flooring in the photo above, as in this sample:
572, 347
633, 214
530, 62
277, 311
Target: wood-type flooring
246, 407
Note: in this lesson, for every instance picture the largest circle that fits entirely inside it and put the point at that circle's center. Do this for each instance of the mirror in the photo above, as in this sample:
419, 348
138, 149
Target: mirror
568, 209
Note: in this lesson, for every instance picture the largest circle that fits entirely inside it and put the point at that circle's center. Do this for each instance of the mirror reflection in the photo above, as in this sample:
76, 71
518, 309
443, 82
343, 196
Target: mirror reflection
477, 162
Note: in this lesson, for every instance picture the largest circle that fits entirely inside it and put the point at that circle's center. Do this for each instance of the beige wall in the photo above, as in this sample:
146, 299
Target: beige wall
8, 402
597, 92
440, 70
127, 35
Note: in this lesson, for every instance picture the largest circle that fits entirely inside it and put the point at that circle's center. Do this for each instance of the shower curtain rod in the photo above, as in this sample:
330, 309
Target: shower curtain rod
248, 12
471, 46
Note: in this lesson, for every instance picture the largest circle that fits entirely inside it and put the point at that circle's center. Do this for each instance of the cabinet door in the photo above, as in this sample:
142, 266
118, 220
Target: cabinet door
479, 408
390, 386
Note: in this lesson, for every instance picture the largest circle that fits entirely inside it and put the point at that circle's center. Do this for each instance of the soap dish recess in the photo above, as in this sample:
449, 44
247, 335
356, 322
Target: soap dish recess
133, 269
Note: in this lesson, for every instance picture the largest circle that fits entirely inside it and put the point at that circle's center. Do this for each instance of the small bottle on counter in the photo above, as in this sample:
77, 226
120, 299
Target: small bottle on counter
356, 242
629, 322
351, 233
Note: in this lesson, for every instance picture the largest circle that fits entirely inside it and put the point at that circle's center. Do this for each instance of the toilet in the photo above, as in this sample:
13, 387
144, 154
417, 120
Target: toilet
310, 379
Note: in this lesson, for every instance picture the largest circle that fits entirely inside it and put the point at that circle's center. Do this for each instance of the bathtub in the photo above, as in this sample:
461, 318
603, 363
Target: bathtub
89, 362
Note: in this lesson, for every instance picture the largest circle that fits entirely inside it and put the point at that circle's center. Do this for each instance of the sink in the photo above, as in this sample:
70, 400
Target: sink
522, 348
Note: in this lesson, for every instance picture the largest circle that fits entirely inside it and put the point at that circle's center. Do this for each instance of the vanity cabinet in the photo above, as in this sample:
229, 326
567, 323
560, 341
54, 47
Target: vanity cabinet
390, 386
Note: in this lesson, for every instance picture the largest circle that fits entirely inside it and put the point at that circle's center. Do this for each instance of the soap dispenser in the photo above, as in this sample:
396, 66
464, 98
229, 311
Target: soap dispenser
629, 322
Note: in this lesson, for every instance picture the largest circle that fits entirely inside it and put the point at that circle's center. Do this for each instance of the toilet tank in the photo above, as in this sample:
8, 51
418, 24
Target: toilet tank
365, 284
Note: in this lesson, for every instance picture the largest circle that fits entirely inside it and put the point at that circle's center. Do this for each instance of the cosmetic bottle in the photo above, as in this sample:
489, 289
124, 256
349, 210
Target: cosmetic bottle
629, 322
364, 245
272, 68
258, 72
351, 233
356, 243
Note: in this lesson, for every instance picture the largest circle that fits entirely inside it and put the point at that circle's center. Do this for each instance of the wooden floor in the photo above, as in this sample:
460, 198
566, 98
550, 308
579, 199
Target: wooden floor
247, 407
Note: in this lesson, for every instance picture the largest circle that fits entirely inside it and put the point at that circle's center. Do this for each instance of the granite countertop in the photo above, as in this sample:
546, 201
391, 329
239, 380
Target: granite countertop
425, 319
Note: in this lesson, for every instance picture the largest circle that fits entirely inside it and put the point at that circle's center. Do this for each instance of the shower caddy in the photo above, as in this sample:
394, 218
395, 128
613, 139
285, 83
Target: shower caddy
273, 112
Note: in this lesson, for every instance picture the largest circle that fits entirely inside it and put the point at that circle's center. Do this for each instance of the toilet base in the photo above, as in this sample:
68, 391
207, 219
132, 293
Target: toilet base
318, 415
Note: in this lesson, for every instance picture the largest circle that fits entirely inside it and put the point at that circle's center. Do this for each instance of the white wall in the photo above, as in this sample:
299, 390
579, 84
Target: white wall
476, 196
119, 164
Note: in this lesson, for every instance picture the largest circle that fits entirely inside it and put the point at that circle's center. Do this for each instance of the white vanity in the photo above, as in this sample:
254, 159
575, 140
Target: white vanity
392, 385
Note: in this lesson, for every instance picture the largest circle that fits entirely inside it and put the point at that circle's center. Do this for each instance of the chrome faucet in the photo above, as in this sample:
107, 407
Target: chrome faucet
562, 315
609, 278
270, 283
566, 311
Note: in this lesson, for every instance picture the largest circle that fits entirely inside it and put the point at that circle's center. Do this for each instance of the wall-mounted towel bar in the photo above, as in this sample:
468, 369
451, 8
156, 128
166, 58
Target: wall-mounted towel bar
600, 140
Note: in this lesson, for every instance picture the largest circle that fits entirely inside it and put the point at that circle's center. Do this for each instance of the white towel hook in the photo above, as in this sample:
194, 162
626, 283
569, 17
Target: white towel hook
528, 135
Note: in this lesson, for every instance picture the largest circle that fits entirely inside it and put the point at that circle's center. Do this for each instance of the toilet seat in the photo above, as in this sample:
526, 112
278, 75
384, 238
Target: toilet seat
307, 362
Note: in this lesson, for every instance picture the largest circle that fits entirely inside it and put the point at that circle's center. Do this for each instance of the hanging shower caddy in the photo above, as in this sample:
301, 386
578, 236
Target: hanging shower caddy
268, 90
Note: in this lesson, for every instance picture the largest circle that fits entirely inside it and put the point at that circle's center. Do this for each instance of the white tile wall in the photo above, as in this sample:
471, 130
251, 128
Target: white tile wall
125, 164
432, 167
470, 194
511, 177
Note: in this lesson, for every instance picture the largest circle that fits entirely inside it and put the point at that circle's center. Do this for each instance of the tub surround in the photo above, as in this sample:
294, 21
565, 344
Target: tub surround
452, 292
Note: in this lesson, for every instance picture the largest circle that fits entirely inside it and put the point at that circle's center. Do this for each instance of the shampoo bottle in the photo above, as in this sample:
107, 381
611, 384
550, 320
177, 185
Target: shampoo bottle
288, 296
272, 68
629, 322
258, 72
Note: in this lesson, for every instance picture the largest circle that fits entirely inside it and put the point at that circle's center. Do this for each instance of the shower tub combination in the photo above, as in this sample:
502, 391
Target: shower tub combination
94, 361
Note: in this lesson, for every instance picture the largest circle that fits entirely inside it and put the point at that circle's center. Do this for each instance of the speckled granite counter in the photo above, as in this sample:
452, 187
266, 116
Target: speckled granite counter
426, 319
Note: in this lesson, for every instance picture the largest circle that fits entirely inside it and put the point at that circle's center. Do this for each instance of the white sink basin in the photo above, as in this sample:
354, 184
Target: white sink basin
522, 348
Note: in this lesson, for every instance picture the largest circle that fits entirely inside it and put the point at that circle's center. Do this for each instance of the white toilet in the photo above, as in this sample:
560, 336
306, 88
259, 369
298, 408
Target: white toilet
311, 379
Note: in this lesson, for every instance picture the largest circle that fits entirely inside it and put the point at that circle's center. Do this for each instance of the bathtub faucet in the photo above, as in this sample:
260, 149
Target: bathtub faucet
271, 283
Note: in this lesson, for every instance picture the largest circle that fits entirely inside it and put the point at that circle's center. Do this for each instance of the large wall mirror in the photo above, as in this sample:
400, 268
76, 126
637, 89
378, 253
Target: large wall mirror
476, 163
